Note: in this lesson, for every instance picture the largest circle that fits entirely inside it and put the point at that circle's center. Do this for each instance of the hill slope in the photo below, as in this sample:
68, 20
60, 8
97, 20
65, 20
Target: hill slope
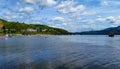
16, 27
115, 30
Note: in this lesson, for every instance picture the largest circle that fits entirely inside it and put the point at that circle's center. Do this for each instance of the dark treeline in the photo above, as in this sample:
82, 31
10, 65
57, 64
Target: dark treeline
107, 31
23, 28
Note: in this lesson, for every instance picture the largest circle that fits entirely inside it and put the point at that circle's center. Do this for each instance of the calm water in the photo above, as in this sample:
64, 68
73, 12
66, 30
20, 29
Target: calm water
60, 52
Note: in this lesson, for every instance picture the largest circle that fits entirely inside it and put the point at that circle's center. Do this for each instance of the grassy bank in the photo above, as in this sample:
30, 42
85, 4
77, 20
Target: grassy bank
28, 29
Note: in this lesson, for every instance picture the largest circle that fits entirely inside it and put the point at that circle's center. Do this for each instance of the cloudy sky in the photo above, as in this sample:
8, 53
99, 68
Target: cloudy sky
72, 15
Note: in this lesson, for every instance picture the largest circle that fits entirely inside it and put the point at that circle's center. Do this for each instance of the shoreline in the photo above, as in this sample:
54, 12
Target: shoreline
39, 34
28, 35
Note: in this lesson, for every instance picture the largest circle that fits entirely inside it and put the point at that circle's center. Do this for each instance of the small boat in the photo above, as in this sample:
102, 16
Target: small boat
111, 34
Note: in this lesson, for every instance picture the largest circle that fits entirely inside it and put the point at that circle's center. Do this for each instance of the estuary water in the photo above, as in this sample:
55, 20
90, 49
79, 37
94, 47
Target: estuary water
60, 52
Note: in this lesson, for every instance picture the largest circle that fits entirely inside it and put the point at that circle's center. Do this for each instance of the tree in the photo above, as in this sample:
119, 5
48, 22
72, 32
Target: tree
1, 24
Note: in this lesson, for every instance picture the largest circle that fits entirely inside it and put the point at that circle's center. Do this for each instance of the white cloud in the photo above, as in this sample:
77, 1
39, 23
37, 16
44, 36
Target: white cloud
29, 1
36, 19
117, 22
100, 19
89, 21
69, 7
75, 16
7, 17
76, 9
109, 19
61, 19
40, 2
8, 13
104, 3
110, 3
26, 9
12, 17
64, 4
88, 13
51, 2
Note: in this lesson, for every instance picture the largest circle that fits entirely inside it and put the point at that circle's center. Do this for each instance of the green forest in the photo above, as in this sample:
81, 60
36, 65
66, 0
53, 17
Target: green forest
7, 27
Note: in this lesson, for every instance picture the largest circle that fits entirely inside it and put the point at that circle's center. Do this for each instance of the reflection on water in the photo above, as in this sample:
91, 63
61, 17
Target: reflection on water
60, 52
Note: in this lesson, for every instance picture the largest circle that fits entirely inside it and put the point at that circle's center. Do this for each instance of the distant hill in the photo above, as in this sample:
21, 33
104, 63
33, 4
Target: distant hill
115, 30
23, 28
